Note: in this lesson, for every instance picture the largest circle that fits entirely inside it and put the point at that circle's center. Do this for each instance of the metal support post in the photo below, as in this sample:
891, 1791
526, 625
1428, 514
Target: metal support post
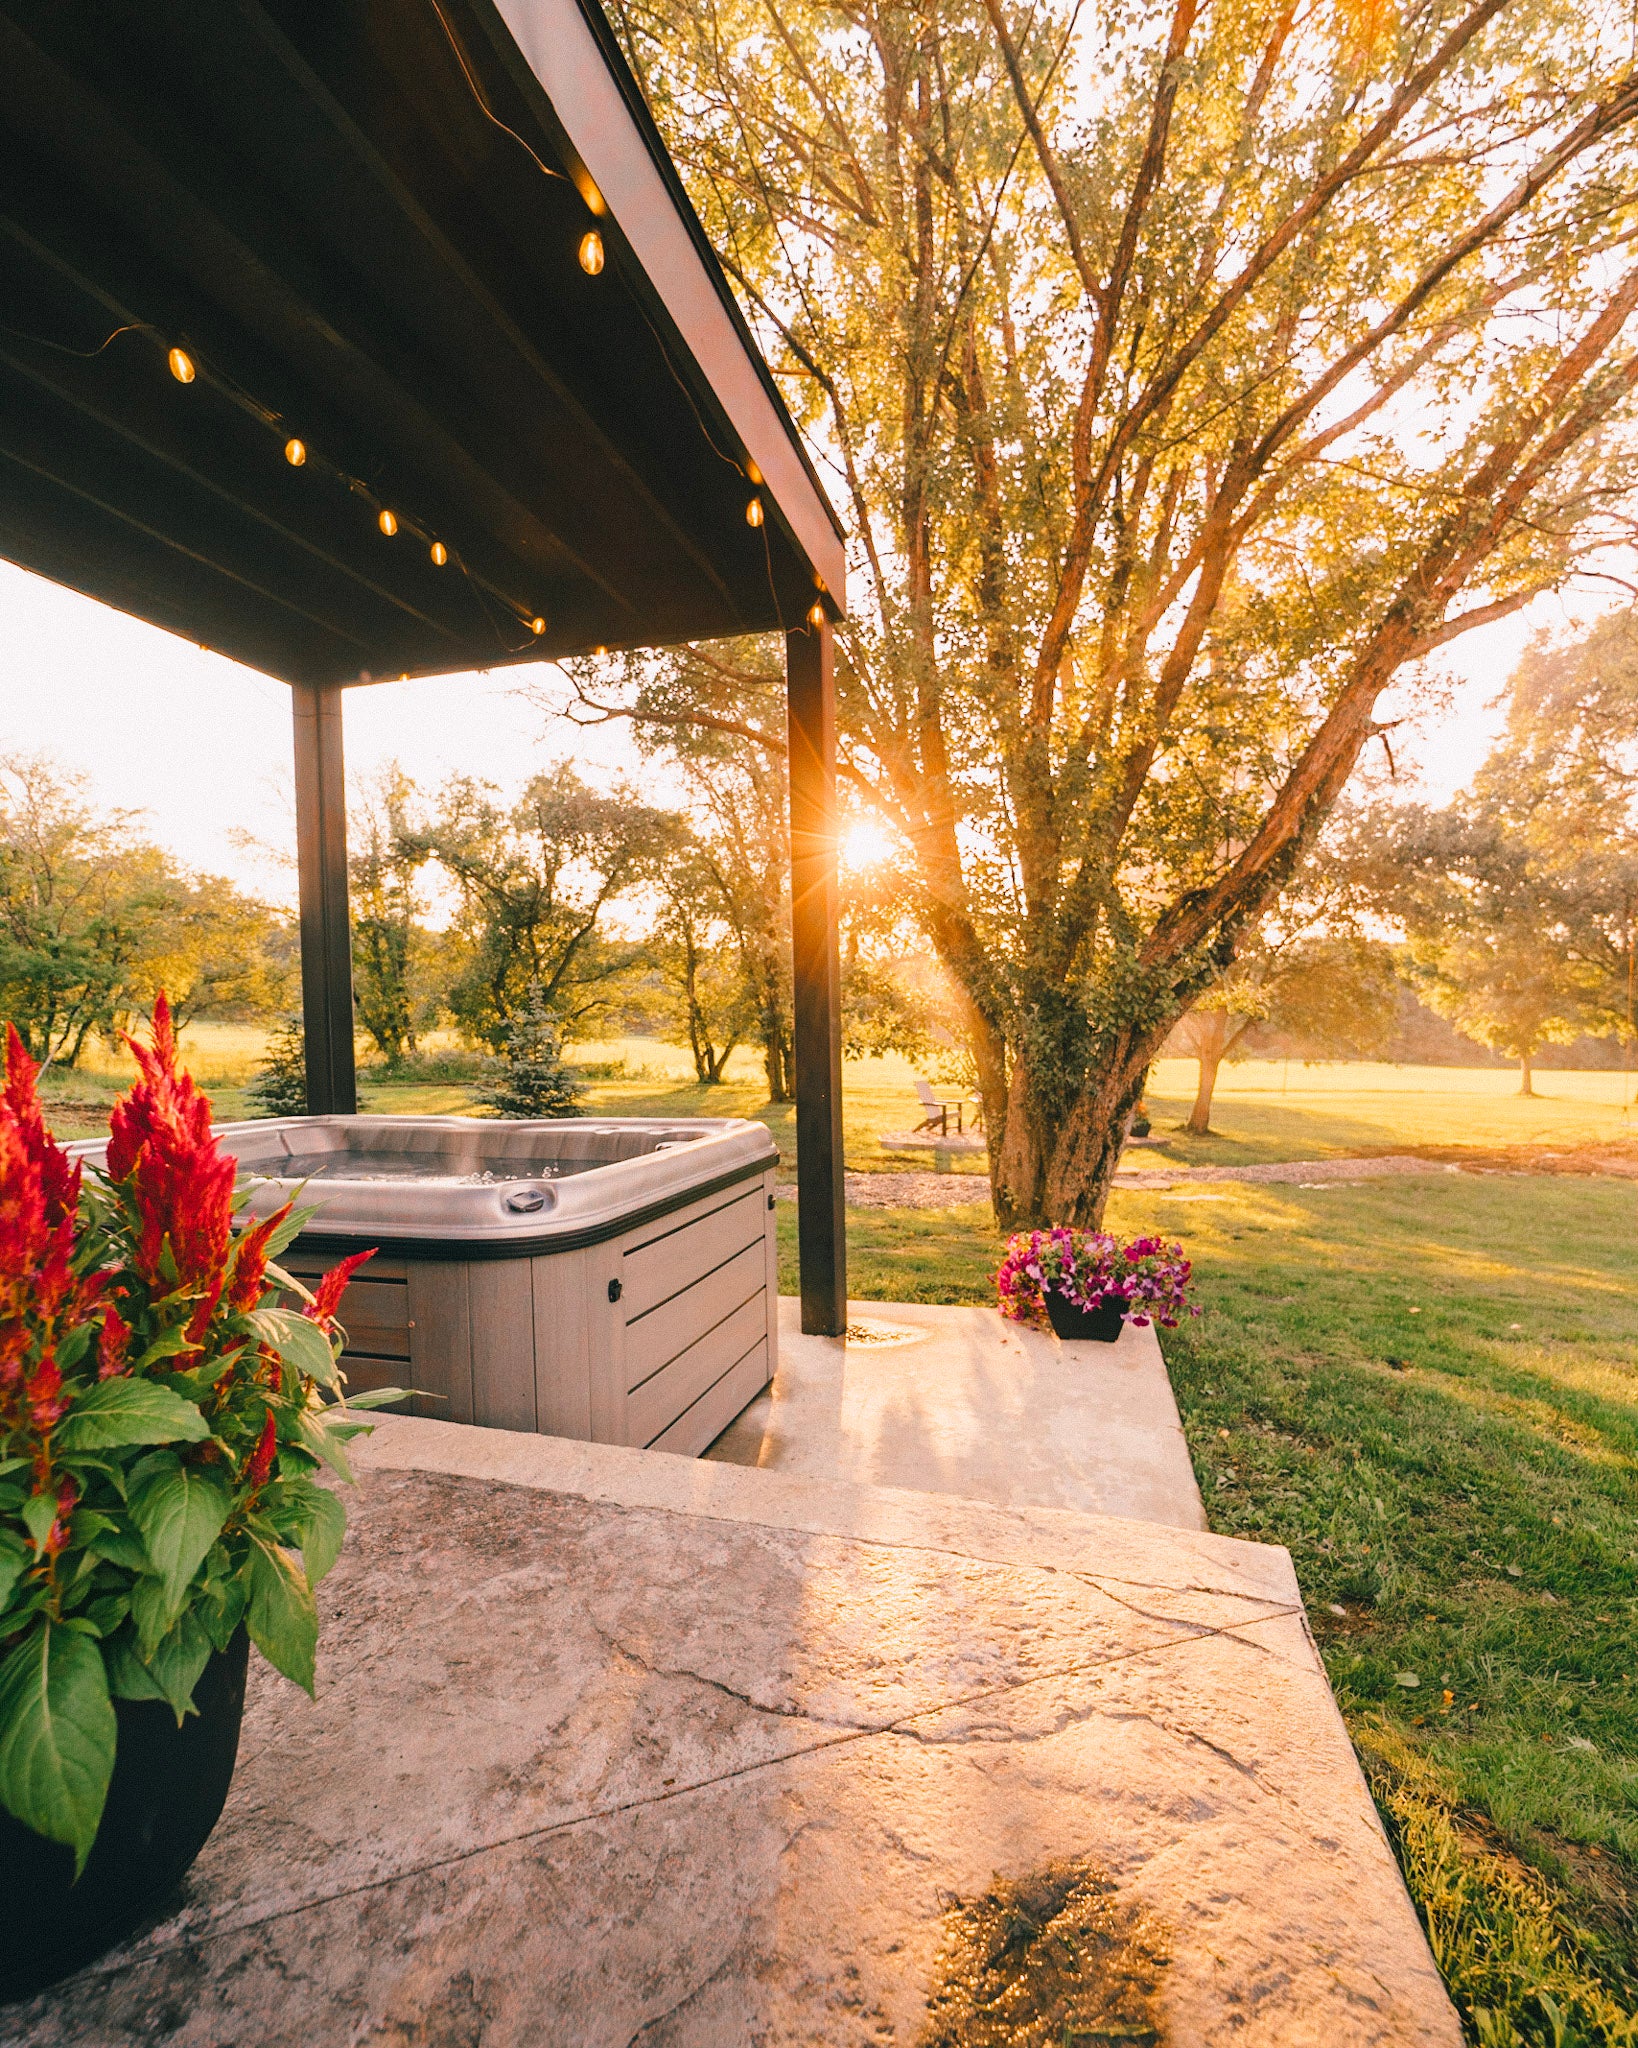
326, 934
817, 978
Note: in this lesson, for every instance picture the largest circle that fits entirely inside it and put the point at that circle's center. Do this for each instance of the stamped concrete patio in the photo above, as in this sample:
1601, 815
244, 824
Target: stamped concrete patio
617, 1748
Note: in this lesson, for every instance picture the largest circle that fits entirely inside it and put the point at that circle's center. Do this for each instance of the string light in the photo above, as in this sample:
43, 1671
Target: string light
753, 475
816, 616
599, 650
295, 452
537, 627
388, 523
753, 512
591, 252
439, 553
182, 368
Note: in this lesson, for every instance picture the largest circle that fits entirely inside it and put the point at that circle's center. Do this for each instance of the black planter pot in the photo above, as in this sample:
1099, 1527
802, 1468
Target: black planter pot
1100, 1325
167, 1792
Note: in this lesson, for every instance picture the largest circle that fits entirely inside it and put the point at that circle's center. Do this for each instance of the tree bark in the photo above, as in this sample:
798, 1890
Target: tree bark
1526, 1077
1200, 1116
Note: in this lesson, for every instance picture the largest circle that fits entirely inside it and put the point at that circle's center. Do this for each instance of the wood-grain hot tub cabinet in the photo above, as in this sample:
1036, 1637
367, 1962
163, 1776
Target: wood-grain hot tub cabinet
610, 1279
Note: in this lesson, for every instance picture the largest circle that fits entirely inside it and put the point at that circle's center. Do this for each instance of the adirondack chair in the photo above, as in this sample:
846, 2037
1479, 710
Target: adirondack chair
936, 1108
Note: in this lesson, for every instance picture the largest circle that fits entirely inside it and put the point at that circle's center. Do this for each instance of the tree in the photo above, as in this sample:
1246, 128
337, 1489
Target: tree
715, 714
1519, 900
95, 920
279, 1085
1187, 377
389, 946
534, 1080
536, 881
1335, 991
712, 1000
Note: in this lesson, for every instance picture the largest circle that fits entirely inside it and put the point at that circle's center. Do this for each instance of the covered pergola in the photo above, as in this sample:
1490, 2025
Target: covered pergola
378, 339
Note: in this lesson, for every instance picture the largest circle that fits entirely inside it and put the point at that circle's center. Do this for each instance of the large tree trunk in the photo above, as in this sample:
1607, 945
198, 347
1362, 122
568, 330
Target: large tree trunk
1056, 1165
1526, 1077
1210, 1058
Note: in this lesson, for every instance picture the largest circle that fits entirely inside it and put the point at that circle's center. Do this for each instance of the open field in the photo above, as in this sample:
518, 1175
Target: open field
1428, 1391
1265, 1110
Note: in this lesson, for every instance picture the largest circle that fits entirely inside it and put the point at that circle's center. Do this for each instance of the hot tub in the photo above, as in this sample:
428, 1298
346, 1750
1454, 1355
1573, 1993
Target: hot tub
612, 1279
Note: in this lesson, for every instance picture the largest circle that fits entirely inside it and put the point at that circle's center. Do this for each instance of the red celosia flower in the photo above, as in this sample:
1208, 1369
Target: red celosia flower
42, 1390
250, 1263
160, 1142
59, 1175
39, 1190
57, 1535
261, 1459
327, 1296
111, 1344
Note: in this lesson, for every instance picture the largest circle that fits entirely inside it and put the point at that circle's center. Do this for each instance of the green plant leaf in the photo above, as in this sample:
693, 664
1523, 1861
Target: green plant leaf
379, 1397
57, 1735
172, 1666
129, 1411
166, 1345
299, 1342
324, 1440
221, 1602
39, 1512
281, 1617
311, 1517
128, 1677
289, 1230
178, 1511
15, 1559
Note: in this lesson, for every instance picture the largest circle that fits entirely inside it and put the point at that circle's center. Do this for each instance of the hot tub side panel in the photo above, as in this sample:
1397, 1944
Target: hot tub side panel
654, 1339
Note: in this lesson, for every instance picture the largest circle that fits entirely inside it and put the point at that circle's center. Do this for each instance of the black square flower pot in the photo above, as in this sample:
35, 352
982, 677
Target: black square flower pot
1100, 1325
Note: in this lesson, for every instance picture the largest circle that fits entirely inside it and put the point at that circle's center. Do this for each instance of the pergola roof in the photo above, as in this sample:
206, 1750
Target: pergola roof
360, 220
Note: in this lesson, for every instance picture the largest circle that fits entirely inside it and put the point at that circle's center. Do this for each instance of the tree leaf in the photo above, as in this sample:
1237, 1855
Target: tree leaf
299, 1342
128, 1411
57, 1735
281, 1617
178, 1510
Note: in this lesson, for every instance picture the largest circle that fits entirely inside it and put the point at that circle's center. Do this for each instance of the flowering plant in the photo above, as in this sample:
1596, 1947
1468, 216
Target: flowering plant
1148, 1277
161, 1423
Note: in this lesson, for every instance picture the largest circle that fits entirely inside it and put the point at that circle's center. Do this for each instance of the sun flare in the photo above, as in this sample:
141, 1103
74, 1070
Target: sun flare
864, 844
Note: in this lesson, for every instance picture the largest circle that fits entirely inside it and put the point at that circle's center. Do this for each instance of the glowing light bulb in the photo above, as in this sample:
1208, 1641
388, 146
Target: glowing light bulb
537, 627
599, 650
182, 366
753, 512
388, 523
295, 452
816, 616
439, 553
591, 253
752, 473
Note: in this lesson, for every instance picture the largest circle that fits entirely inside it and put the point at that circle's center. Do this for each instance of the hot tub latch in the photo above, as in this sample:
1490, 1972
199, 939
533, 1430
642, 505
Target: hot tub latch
615, 1290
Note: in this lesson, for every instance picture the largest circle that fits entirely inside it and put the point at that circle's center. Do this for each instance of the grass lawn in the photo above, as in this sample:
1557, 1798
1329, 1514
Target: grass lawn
1428, 1391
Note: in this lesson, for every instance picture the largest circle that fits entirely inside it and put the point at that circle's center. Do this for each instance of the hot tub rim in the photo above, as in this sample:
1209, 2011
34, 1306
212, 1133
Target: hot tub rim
470, 1242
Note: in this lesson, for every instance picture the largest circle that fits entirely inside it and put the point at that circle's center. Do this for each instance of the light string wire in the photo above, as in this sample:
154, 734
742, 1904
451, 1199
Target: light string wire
681, 382
204, 370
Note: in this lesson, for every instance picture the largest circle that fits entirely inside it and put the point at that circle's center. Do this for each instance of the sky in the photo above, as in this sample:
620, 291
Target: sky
201, 745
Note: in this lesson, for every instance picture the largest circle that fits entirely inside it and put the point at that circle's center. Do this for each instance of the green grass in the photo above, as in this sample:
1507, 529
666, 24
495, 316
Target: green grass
1428, 1391
1271, 1109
